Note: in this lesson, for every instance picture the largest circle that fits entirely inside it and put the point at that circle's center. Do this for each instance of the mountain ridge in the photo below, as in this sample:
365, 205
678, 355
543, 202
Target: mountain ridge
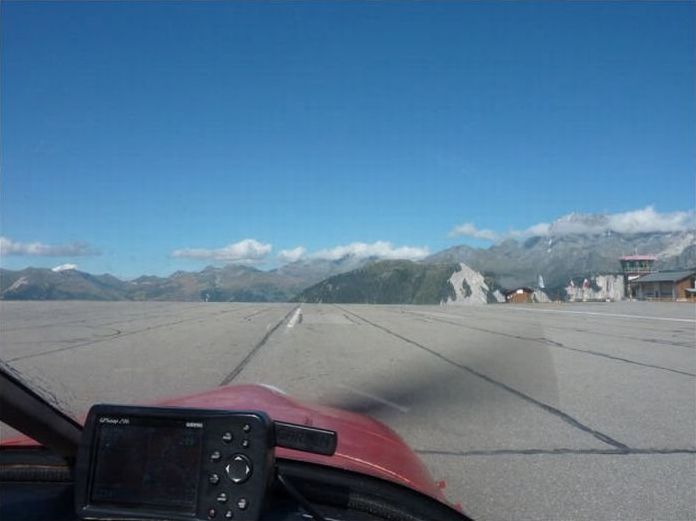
508, 264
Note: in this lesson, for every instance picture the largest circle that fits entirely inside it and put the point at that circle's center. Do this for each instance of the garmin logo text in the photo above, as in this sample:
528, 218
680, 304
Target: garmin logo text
195, 425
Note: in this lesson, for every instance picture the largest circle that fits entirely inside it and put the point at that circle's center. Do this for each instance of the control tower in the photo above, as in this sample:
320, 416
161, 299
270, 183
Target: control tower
634, 266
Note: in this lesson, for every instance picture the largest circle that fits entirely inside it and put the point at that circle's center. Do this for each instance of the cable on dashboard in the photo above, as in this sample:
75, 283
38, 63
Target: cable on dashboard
290, 489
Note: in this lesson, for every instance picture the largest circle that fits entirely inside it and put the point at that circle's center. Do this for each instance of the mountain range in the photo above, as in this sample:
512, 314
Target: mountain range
233, 282
558, 258
508, 264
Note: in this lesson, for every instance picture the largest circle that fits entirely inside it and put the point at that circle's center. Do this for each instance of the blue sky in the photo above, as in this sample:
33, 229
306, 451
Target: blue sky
143, 129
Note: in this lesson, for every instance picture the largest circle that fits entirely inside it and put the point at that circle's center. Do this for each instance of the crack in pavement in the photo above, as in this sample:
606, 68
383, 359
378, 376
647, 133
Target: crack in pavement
121, 335
123, 319
553, 452
567, 418
560, 345
350, 319
254, 350
255, 313
659, 341
554, 343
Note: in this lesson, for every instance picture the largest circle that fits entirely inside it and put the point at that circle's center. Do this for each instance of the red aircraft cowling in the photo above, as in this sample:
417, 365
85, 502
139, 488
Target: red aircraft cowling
365, 445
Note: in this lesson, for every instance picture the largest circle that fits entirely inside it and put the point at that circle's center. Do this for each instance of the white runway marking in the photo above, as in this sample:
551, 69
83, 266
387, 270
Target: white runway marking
617, 315
296, 318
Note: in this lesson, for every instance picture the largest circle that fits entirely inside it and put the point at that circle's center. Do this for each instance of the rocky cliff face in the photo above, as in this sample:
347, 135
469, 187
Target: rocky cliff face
471, 288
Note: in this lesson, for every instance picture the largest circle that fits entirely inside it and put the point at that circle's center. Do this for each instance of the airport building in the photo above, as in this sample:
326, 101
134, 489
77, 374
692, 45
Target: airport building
665, 285
519, 296
634, 267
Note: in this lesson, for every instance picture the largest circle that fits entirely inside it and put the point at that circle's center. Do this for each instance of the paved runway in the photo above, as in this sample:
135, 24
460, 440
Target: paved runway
548, 412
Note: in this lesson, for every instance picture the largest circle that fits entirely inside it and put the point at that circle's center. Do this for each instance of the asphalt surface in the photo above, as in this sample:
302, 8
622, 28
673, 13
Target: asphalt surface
547, 412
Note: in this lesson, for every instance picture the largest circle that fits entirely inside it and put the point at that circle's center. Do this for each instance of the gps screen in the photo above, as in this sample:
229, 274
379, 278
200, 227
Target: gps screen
149, 465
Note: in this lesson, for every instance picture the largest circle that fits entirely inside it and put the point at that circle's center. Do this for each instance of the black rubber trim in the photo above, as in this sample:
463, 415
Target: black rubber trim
29, 413
356, 492
35, 474
33, 465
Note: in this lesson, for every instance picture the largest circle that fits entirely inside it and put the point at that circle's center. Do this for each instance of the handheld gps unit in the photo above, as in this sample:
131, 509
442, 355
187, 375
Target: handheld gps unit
177, 464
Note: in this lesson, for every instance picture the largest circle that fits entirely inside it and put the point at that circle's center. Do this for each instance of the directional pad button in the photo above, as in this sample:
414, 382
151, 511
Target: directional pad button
239, 469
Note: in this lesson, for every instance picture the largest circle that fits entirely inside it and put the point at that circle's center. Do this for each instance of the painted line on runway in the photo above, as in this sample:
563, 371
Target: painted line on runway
567, 418
254, 350
376, 398
615, 315
296, 318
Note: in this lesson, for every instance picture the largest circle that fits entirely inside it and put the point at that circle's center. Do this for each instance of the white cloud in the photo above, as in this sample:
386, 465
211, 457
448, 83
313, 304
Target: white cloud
536, 230
648, 220
38, 249
380, 249
470, 230
64, 267
644, 220
292, 255
247, 250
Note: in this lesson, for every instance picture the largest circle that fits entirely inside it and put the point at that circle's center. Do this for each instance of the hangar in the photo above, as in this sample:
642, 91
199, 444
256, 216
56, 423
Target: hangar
665, 285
